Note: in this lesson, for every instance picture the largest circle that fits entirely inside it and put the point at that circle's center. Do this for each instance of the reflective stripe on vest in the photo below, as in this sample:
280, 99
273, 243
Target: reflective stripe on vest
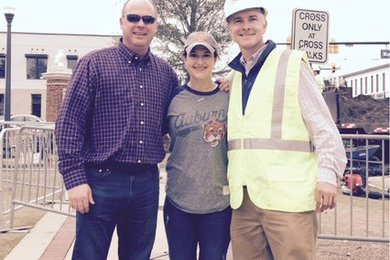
270, 144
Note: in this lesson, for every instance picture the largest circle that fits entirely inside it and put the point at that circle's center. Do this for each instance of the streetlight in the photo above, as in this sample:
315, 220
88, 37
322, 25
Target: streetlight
9, 16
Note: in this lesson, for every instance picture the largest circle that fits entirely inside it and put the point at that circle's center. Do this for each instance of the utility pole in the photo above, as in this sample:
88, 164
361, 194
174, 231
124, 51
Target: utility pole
9, 15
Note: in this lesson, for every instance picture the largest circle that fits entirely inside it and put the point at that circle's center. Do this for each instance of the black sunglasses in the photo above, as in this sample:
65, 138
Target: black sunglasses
135, 18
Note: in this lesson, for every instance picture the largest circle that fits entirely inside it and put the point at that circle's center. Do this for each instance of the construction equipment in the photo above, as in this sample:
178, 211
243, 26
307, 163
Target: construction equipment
355, 184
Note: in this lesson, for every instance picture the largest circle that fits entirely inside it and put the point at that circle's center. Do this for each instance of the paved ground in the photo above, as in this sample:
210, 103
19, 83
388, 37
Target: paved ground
53, 236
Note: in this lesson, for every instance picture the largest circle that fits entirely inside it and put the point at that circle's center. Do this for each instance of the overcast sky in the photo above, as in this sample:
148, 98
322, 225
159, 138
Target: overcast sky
348, 21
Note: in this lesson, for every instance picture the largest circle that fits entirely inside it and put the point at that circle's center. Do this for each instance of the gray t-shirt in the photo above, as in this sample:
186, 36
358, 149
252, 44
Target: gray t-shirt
197, 165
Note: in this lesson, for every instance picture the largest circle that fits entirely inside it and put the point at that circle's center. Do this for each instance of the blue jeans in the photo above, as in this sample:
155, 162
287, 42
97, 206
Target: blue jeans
123, 200
185, 230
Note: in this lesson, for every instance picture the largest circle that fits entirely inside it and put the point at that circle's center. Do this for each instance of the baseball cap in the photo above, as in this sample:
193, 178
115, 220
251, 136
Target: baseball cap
233, 6
201, 38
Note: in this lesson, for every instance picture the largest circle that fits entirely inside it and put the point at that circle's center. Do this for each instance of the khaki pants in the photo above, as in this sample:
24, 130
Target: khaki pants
259, 234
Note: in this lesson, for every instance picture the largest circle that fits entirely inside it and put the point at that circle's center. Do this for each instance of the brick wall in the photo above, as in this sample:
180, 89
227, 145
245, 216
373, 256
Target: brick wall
55, 89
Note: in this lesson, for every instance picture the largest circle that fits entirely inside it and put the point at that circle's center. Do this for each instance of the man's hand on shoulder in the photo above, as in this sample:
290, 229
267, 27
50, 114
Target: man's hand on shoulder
325, 196
224, 84
80, 197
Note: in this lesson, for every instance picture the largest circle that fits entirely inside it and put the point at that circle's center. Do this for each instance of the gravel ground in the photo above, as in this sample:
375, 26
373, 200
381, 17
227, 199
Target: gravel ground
351, 250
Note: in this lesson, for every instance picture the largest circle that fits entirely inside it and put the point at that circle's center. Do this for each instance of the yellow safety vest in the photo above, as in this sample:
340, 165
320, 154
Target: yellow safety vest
269, 147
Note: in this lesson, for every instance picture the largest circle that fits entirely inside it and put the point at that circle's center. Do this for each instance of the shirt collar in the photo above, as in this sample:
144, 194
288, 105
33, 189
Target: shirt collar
248, 64
130, 55
254, 57
236, 62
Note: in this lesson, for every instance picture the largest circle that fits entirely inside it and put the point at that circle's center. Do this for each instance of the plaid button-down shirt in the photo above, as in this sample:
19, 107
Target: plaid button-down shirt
113, 111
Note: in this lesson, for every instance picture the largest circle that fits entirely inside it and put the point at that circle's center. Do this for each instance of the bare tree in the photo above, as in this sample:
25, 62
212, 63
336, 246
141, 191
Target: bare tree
178, 18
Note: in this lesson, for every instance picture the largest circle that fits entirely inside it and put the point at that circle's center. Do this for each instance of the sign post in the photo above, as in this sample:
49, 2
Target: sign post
310, 33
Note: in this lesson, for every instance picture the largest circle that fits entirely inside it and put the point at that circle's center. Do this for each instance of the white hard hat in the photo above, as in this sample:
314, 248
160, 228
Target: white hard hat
234, 6
315, 67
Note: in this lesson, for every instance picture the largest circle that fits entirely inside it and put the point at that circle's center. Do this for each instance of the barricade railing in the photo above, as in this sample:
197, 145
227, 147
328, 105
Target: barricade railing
36, 183
7, 169
362, 212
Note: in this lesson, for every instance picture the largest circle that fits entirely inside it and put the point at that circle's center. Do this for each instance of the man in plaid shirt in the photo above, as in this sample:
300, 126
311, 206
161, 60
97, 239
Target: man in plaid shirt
109, 137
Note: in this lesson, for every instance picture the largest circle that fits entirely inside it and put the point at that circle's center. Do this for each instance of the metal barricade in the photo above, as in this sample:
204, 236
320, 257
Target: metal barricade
36, 183
7, 163
362, 212
36, 180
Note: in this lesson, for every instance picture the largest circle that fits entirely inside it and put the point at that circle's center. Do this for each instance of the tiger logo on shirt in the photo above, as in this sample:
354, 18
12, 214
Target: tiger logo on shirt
214, 131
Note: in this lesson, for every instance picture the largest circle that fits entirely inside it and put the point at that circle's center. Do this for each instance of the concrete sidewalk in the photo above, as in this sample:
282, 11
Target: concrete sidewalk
53, 236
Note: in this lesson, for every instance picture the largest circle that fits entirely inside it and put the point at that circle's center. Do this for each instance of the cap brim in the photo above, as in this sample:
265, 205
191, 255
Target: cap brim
193, 45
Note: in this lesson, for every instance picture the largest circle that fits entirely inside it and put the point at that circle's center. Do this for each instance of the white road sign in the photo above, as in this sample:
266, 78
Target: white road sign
310, 33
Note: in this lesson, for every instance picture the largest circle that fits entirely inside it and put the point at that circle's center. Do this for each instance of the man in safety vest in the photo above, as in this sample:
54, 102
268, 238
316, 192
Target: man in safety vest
285, 152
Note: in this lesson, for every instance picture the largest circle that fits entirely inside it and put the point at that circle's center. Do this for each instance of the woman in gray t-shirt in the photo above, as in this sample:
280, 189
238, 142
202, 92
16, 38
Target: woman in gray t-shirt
196, 210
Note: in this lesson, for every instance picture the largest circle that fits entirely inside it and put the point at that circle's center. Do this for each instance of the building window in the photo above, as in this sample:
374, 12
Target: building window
372, 84
2, 65
361, 86
36, 65
384, 82
36, 104
2, 104
365, 85
377, 83
72, 61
